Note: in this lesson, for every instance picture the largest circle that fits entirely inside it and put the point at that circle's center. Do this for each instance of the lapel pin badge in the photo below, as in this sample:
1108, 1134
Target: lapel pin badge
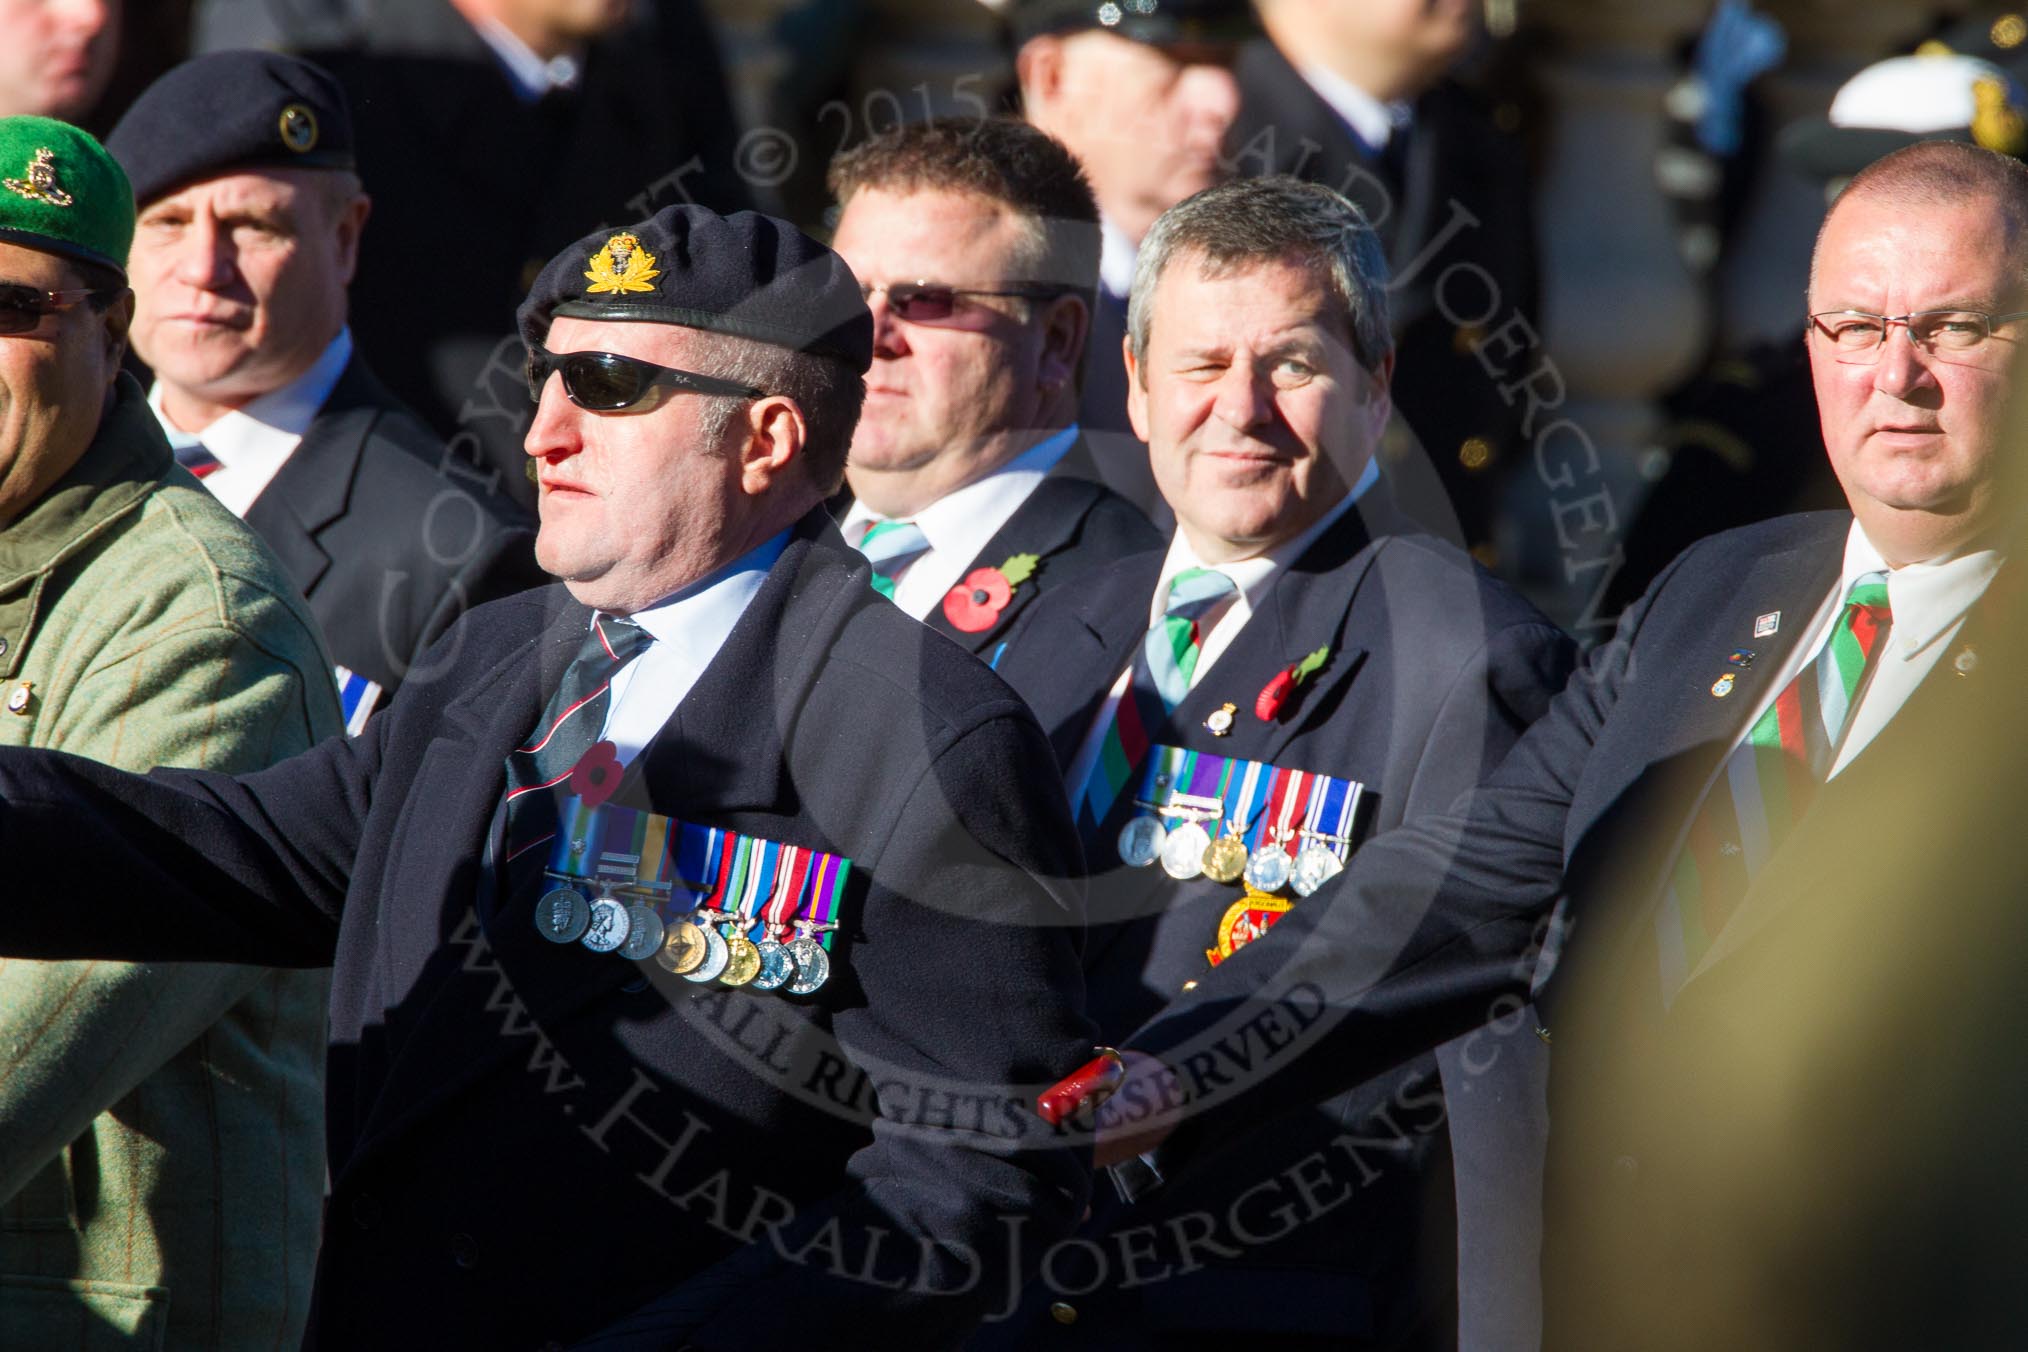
1740, 657
1219, 722
1768, 624
1967, 660
1722, 686
17, 703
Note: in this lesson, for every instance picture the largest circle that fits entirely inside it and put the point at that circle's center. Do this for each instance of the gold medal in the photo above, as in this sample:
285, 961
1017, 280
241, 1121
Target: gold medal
683, 948
743, 960
1225, 857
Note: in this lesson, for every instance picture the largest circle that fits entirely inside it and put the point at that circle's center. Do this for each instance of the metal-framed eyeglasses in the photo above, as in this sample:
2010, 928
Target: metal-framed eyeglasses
936, 303
606, 382
1960, 337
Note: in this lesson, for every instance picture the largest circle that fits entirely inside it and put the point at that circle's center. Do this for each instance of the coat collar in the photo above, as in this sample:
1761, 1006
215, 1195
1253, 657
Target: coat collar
314, 486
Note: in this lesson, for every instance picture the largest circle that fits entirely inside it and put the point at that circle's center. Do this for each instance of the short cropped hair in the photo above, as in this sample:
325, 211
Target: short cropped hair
829, 393
1931, 174
1272, 220
1003, 160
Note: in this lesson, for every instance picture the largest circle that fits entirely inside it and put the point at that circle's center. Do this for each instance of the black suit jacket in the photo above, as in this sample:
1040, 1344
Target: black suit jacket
474, 189
1075, 524
1437, 920
1435, 669
389, 535
532, 1143
1454, 211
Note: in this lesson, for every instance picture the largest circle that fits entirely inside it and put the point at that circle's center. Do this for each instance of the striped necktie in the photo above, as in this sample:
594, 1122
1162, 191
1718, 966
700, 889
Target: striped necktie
1164, 666
193, 457
1766, 785
891, 546
570, 724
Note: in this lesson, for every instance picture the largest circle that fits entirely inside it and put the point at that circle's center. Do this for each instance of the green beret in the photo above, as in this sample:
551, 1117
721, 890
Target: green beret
61, 192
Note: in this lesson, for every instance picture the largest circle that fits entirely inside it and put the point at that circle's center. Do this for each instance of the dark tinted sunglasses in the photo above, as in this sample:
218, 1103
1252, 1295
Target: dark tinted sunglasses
606, 382
930, 302
23, 307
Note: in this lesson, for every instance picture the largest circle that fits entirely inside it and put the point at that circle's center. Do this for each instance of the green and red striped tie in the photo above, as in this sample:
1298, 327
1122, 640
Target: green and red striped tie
1766, 785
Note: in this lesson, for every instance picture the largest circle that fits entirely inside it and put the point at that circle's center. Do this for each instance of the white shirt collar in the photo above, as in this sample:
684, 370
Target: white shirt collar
959, 524
1373, 122
1256, 575
1926, 599
688, 628
252, 442
1117, 254
531, 76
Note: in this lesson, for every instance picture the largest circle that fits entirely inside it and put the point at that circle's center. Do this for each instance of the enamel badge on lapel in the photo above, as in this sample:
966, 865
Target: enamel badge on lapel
17, 703
1219, 722
1766, 625
1275, 696
974, 605
1722, 686
1740, 657
1967, 660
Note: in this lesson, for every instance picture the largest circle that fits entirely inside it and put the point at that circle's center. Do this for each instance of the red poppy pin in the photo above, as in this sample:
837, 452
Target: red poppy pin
596, 774
974, 605
1274, 697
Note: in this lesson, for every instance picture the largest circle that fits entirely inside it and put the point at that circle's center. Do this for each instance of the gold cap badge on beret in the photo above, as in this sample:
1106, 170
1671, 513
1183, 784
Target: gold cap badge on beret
40, 185
622, 265
299, 128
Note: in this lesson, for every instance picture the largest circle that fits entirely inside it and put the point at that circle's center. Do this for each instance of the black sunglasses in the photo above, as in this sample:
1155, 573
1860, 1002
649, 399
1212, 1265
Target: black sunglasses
23, 307
606, 382
931, 302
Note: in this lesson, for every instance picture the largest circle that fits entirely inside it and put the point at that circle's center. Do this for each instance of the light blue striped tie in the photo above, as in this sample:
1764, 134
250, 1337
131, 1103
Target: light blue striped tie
891, 546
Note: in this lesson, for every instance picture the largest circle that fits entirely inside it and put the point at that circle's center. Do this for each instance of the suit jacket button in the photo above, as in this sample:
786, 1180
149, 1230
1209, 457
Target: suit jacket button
464, 1251
365, 1211
1063, 1312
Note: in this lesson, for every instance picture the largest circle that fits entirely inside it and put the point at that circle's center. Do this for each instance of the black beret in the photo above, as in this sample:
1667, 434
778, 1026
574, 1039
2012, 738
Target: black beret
231, 111
745, 274
1162, 22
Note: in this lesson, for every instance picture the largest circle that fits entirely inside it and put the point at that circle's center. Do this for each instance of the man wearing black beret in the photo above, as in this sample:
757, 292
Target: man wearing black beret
250, 220
701, 927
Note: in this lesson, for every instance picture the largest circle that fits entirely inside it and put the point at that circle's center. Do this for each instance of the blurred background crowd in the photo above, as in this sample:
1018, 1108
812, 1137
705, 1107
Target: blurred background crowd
1601, 213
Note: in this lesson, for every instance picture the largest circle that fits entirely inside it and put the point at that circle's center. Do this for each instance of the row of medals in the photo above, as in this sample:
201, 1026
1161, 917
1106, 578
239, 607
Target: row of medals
706, 945
1188, 850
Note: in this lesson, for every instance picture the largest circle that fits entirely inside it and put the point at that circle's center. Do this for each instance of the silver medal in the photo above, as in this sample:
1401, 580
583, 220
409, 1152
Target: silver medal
813, 966
562, 915
1315, 866
1183, 851
1141, 842
716, 955
644, 933
1267, 868
776, 965
609, 926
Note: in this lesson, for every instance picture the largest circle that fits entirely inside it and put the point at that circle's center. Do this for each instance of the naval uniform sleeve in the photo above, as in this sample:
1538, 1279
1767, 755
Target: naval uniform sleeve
1430, 926
972, 987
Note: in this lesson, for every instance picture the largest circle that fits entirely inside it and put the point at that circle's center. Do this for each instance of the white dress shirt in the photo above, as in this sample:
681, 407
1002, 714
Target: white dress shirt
1253, 579
688, 628
959, 525
251, 444
1375, 123
531, 76
1117, 256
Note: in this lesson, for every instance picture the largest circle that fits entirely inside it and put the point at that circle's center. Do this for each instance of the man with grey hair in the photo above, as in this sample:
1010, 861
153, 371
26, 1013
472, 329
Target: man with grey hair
1299, 669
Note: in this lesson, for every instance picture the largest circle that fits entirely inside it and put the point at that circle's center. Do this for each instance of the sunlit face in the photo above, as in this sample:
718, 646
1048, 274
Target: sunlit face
634, 506
53, 381
1146, 121
943, 397
1426, 34
1917, 443
56, 55
564, 20
1257, 415
240, 280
